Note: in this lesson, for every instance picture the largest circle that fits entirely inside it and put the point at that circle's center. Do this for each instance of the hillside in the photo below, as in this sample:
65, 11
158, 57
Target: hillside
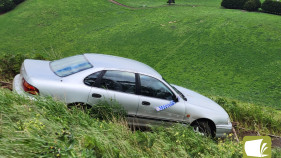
232, 56
198, 45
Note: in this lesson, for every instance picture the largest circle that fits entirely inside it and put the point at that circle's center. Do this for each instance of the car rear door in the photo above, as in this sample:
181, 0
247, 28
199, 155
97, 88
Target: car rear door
116, 86
153, 94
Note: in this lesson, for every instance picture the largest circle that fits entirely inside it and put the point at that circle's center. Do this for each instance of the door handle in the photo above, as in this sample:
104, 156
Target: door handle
95, 95
145, 103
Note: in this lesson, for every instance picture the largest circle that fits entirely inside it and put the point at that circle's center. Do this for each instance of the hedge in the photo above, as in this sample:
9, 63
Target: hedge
7, 5
252, 5
273, 7
233, 4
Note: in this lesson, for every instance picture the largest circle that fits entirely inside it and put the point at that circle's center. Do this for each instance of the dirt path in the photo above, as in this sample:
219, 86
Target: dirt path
115, 2
167, 5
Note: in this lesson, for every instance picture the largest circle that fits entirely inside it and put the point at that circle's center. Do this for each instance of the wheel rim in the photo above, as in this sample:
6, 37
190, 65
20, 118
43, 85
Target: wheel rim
198, 131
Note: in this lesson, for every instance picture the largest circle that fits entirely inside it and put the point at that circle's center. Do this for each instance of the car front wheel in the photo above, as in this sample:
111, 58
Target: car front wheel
203, 128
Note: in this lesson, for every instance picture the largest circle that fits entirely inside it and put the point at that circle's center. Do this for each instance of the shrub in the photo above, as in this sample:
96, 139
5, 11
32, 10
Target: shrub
273, 7
6, 5
10, 64
233, 4
18, 1
250, 115
252, 5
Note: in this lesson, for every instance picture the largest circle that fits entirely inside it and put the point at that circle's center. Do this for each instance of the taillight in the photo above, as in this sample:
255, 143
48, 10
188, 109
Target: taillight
29, 88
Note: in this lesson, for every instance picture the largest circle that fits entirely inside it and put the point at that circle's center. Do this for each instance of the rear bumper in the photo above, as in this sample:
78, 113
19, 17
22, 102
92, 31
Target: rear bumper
17, 86
223, 130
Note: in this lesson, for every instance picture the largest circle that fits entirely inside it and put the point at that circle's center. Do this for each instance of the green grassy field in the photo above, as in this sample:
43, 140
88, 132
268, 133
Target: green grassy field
214, 51
219, 52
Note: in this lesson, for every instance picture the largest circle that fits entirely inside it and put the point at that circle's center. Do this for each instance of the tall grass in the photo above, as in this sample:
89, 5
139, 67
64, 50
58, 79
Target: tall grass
48, 128
258, 118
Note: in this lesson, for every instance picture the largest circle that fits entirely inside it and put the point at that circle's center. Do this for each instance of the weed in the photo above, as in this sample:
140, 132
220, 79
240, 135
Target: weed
107, 111
10, 64
255, 117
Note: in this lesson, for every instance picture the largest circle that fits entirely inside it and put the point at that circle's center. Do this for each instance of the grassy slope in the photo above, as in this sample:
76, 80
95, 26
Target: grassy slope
46, 128
214, 51
49, 129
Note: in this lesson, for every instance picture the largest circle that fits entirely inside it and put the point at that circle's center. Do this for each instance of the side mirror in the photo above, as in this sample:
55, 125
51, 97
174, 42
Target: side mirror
175, 98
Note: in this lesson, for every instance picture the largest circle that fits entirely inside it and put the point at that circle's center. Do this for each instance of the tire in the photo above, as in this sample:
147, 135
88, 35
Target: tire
203, 128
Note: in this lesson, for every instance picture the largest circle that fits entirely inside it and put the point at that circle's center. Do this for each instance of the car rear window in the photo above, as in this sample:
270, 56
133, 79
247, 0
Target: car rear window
70, 65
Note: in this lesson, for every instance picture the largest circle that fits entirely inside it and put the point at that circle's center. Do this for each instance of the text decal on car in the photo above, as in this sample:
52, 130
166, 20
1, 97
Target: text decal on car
162, 107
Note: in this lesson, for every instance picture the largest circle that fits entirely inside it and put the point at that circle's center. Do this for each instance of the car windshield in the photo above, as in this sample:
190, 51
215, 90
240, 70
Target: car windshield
70, 65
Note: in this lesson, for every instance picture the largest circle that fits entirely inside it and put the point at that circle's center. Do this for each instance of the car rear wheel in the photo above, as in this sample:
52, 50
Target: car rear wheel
203, 128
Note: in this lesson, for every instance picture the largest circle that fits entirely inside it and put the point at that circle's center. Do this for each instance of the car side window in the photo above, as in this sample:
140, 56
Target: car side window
119, 81
152, 87
91, 79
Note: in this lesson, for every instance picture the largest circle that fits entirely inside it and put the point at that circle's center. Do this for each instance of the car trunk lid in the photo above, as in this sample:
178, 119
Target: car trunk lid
37, 70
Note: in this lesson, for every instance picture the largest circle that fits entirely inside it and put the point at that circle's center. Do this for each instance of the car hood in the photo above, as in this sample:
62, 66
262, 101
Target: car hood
197, 99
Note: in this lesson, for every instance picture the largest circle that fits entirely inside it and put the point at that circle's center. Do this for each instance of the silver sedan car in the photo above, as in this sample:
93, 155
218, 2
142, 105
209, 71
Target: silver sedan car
90, 78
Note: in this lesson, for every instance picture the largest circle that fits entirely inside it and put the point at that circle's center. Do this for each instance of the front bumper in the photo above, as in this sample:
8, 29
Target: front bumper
223, 130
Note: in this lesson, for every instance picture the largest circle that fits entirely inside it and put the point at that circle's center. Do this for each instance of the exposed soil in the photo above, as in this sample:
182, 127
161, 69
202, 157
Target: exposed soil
276, 142
242, 132
7, 85
248, 133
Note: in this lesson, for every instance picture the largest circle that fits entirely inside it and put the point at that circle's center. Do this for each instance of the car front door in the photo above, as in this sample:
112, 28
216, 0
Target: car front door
116, 86
153, 94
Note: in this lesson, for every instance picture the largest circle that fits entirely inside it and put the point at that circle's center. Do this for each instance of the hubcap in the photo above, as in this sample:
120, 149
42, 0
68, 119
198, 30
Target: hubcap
197, 130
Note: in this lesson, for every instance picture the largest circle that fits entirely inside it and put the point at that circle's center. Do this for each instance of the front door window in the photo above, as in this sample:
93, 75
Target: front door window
152, 87
155, 93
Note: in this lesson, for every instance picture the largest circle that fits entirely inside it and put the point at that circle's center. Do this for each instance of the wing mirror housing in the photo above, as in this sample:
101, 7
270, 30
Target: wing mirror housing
175, 98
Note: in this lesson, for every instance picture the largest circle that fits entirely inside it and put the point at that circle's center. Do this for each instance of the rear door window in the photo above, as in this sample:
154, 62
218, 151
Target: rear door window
91, 79
119, 81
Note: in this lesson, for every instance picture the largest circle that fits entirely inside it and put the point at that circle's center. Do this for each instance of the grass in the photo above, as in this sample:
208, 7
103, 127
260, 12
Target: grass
265, 120
161, 3
214, 51
219, 52
47, 128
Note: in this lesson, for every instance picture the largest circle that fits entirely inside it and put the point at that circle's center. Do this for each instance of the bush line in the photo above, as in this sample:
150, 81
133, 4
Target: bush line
268, 6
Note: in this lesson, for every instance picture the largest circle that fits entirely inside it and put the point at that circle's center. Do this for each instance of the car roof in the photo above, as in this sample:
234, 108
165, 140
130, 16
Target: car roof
115, 62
